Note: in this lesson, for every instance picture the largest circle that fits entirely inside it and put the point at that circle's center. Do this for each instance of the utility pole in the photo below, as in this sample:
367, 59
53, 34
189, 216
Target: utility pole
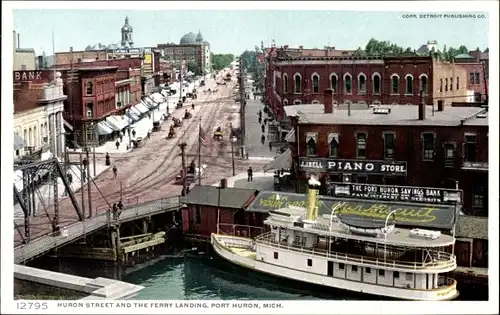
242, 108
82, 177
89, 191
232, 155
183, 145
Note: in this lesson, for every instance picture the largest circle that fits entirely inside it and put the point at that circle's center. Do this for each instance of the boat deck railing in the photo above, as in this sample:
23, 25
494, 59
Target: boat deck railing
441, 260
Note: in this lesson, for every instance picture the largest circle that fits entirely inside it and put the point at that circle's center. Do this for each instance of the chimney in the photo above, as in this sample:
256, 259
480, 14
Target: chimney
440, 105
18, 42
328, 101
301, 47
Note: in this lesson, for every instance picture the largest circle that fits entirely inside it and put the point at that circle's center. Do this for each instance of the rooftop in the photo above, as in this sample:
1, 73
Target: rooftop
394, 115
88, 68
235, 198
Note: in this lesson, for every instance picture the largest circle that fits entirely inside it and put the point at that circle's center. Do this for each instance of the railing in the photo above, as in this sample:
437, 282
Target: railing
76, 230
444, 260
240, 230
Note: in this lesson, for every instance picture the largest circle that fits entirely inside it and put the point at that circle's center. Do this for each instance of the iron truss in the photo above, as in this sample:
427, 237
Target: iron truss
31, 174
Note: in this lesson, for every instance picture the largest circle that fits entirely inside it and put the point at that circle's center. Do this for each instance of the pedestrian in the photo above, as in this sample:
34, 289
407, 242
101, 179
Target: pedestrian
262, 139
121, 136
265, 121
115, 211
250, 174
192, 106
115, 171
133, 133
246, 155
263, 127
117, 143
128, 131
84, 176
85, 162
119, 205
108, 159
270, 146
260, 120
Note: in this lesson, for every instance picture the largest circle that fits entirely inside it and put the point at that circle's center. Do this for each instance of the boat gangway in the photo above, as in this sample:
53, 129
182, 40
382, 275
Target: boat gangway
73, 232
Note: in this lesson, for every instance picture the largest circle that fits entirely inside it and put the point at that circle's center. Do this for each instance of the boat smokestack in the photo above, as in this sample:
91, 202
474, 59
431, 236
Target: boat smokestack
312, 194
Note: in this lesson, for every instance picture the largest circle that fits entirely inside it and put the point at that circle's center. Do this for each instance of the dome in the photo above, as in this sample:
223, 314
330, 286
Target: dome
199, 37
188, 39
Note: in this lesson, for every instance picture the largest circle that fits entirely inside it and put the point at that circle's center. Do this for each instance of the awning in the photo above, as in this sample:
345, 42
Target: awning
135, 111
282, 161
18, 142
157, 116
142, 108
157, 97
290, 136
103, 129
129, 120
112, 122
67, 125
118, 121
148, 104
132, 115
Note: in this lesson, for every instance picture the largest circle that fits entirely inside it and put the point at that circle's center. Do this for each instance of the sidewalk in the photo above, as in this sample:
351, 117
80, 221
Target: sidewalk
261, 181
45, 193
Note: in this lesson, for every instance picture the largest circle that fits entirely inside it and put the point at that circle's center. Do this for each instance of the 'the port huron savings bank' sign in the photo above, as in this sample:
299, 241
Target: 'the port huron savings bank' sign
421, 215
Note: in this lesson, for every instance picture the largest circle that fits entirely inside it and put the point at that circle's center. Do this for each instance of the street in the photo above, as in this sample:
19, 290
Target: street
147, 173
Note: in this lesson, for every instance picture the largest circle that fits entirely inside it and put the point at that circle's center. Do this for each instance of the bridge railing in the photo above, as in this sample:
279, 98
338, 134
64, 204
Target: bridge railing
79, 229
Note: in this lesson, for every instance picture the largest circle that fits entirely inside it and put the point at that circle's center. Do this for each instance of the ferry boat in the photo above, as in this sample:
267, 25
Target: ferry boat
345, 252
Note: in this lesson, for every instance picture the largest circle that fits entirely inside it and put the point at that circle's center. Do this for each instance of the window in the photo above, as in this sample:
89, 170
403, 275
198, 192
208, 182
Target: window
446, 85
409, 84
471, 78
423, 83
23, 67
315, 83
409, 277
197, 215
297, 102
389, 145
470, 148
458, 83
354, 268
297, 82
440, 85
333, 82
309, 262
381, 272
449, 151
361, 83
333, 144
361, 145
376, 83
396, 274
428, 146
285, 84
89, 107
311, 144
368, 270
88, 88
451, 84
476, 78
478, 193
395, 84
347, 84
341, 266
275, 255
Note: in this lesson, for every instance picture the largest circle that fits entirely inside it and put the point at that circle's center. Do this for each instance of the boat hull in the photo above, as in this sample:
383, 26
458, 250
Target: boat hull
225, 252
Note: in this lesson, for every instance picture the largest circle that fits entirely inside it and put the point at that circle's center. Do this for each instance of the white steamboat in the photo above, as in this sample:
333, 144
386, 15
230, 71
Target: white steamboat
345, 253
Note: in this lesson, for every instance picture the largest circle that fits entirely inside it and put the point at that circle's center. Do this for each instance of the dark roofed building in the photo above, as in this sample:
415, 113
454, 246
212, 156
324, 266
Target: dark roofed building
210, 206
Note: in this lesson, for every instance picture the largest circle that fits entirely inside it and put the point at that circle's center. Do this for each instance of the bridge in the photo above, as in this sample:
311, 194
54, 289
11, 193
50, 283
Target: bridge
54, 240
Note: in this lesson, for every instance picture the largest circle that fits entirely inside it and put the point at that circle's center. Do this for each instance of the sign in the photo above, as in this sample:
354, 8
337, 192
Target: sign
147, 59
35, 76
352, 166
396, 193
425, 216
128, 51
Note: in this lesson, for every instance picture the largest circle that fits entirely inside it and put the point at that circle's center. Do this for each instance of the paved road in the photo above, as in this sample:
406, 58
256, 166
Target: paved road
254, 131
147, 172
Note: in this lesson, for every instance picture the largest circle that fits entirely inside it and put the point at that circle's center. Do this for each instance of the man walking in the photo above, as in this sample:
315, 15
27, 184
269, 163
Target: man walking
250, 174
115, 171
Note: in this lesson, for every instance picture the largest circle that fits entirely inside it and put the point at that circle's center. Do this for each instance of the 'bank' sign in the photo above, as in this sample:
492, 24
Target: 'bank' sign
35, 76
352, 166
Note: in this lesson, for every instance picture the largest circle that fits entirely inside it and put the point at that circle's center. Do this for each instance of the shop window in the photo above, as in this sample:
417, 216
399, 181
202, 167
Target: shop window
478, 196
361, 145
315, 83
389, 145
409, 84
89, 87
309, 262
428, 140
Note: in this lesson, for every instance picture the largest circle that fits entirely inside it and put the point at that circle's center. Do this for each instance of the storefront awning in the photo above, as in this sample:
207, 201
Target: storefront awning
135, 111
67, 125
148, 104
103, 129
18, 142
118, 121
132, 116
46, 155
114, 125
290, 136
282, 161
141, 108
157, 97
358, 210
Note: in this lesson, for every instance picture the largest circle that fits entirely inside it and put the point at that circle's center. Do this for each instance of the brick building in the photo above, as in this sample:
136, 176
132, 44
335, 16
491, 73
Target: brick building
91, 97
441, 147
477, 75
389, 80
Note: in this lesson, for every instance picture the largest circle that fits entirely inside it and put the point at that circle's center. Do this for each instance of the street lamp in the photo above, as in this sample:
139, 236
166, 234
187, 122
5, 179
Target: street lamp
233, 141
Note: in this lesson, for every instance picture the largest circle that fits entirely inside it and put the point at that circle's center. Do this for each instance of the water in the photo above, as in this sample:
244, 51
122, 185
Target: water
201, 277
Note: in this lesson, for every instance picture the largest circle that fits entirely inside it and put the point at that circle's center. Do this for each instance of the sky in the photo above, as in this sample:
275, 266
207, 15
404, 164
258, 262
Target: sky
236, 31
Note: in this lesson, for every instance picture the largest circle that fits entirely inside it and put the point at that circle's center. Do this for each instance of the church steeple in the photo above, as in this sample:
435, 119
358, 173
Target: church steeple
127, 34
199, 37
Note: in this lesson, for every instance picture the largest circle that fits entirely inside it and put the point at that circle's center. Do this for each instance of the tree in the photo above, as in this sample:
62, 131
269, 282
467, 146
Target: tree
249, 59
383, 48
193, 67
221, 61
487, 50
